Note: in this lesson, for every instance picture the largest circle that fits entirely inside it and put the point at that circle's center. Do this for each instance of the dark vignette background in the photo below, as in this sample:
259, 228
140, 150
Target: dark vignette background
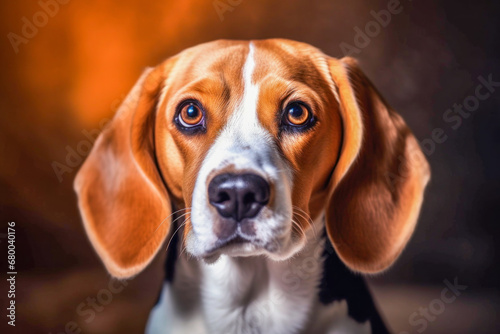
72, 74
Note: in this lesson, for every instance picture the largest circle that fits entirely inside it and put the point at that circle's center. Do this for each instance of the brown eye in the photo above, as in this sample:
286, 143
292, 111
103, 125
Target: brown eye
190, 115
297, 114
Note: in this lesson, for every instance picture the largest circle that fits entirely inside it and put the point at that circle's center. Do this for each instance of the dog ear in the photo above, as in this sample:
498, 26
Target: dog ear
124, 204
377, 186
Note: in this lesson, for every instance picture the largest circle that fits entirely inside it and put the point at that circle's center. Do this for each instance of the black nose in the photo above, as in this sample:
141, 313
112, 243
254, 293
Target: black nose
238, 195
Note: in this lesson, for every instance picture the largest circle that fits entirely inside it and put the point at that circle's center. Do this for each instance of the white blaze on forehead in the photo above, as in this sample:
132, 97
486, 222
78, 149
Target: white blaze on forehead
251, 91
243, 145
244, 120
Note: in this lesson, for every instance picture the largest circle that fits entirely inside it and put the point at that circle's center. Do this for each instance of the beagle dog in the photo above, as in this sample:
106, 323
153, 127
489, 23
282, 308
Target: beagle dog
272, 175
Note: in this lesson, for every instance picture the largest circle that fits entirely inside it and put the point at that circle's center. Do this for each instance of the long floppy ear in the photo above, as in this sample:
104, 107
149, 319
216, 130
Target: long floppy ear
122, 198
378, 183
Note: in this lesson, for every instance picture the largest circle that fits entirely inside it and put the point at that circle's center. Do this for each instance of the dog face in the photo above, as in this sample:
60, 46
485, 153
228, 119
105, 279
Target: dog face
250, 124
252, 141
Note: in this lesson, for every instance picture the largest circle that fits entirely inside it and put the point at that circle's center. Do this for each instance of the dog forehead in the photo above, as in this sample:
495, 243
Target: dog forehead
219, 75
225, 59
289, 60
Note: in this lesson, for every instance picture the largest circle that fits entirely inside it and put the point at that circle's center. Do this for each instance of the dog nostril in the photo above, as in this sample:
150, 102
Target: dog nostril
223, 197
238, 196
249, 198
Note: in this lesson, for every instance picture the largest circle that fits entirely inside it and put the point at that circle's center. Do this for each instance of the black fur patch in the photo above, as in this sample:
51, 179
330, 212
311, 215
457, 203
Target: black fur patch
169, 265
171, 258
339, 283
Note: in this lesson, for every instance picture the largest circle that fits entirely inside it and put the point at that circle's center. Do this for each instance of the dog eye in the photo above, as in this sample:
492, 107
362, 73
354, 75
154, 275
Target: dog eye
190, 115
296, 116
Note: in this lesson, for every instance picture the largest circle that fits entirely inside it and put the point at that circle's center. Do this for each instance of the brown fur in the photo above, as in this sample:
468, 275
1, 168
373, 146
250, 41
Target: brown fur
377, 186
142, 162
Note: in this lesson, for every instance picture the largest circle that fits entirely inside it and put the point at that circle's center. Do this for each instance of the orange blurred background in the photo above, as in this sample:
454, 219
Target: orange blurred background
61, 80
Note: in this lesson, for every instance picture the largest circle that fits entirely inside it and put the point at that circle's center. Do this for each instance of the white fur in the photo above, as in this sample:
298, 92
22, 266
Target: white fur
251, 295
245, 146
260, 295
179, 309
268, 287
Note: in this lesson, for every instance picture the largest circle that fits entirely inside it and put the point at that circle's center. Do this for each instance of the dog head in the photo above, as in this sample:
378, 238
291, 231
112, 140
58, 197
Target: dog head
251, 142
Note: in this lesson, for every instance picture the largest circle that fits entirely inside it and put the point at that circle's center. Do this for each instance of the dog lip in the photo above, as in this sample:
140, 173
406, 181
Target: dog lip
234, 240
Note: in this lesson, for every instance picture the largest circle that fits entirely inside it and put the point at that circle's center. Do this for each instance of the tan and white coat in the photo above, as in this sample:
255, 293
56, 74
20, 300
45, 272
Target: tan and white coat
357, 173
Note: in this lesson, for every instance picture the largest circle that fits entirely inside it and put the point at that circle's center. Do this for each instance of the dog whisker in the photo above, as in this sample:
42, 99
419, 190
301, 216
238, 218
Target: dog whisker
301, 213
299, 228
309, 222
182, 251
173, 213
177, 230
305, 215
184, 247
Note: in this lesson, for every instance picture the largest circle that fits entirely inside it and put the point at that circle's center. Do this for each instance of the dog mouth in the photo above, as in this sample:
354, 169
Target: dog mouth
239, 245
232, 242
235, 241
265, 236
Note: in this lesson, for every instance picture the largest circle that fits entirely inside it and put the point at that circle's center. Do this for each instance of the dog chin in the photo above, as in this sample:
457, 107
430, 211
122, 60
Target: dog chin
233, 251
277, 250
